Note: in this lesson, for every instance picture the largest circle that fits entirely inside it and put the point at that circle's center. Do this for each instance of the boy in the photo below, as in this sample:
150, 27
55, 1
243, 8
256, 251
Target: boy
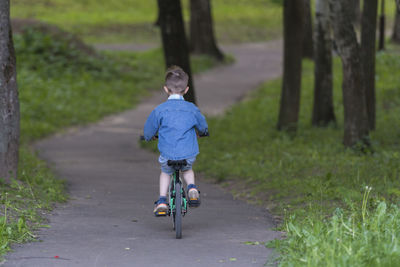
175, 121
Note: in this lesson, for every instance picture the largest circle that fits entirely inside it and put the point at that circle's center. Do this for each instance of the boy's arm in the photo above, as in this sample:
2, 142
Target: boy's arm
201, 126
151, 126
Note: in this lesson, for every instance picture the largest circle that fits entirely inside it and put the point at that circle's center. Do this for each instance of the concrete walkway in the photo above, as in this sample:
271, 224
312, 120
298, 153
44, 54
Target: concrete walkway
113, 184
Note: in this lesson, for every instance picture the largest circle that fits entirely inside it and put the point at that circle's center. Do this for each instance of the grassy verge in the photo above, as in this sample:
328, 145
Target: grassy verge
303, 180
24, 202
132, 20
62, 83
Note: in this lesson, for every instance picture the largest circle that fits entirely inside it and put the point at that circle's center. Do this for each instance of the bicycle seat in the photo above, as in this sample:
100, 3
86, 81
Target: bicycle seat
177, 164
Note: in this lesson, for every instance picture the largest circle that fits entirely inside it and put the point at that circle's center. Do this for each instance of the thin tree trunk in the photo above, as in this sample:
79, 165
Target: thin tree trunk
382, 25
9, 105
368, 48
323, 111
173, 36
356, 126
396, 28
202, 38
293, 45
308, 45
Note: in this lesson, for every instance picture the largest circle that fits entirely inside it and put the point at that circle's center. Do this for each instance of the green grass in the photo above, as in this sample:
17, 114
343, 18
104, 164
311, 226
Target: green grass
344, 239
61, 85
309, 176
132, 20
24, 202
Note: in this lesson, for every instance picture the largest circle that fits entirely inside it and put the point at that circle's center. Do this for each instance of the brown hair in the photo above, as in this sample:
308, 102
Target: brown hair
176, 80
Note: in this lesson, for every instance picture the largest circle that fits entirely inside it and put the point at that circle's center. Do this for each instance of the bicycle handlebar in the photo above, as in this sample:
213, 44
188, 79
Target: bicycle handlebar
143, 139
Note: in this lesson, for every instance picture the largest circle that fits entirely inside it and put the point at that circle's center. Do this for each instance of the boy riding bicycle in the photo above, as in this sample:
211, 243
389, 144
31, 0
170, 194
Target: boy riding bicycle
176, 122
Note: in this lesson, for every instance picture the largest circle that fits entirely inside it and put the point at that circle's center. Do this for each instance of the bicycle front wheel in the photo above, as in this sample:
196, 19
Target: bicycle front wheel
178, 210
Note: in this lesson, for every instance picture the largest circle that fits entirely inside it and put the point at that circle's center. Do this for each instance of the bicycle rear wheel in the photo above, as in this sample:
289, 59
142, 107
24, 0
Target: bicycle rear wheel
178, 211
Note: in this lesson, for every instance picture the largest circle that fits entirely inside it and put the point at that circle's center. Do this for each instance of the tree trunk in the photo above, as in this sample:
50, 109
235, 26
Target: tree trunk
323, 111
308, 46
293, 25
356, 11
396, 28
173, 36
9, 105
382, 26
368, 48
356, 126
202, 38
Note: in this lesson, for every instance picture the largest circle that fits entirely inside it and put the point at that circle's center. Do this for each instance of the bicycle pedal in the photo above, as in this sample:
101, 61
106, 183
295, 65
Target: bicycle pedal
161, 213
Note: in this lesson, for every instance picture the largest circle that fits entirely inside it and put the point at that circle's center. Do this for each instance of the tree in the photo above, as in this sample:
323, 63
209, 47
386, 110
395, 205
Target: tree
9, 105
396, 28
323, 111
308, 45
356, 128
202, 39
368, 48
382, 23
293, 26
356, 11
173, 36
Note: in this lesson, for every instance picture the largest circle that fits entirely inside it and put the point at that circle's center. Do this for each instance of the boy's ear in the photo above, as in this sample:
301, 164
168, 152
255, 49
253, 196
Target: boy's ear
166, 90
186, 90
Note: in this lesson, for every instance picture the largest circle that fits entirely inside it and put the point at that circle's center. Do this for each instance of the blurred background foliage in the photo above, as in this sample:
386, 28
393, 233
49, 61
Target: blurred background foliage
101, 21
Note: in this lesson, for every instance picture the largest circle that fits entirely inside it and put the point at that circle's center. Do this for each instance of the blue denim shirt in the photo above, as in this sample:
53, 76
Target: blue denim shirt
175, 121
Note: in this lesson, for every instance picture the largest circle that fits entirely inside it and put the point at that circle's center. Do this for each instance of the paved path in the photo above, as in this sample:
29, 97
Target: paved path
113, 184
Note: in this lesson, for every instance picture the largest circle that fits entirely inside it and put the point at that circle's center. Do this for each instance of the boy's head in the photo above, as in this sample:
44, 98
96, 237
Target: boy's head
176, 81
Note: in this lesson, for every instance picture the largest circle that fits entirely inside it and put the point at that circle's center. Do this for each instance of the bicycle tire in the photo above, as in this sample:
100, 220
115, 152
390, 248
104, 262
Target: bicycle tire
178, 211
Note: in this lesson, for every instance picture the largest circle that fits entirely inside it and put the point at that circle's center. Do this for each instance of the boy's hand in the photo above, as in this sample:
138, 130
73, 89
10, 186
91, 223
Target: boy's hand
203, 134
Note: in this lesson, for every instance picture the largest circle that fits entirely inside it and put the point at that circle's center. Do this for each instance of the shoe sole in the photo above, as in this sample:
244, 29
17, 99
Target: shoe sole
163, 211
194, 198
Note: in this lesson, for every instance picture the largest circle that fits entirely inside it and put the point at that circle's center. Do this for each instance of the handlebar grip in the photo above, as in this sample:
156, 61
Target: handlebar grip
144, 139
205, 134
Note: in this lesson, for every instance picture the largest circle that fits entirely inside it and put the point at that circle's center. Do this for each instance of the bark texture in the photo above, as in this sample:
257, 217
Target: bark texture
9, 105
323, 111
202, 37
293, 21
355, 11
368, 48
356, 126
308, 42
396, 27
174, 41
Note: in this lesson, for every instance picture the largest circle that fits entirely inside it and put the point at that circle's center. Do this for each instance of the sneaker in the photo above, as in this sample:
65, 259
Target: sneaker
194, 196
161, 208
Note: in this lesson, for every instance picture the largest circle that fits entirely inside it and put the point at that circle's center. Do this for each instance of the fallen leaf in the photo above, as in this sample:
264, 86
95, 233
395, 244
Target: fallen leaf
253, 243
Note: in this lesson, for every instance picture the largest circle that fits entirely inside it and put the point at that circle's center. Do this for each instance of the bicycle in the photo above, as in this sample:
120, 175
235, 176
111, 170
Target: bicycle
177, 197
178, 201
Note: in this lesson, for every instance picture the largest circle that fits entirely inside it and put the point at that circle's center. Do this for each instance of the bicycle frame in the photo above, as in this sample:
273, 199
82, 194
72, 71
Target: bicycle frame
175, 178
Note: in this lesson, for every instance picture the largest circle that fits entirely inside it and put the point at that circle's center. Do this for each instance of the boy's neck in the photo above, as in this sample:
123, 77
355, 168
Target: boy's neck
175, 96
